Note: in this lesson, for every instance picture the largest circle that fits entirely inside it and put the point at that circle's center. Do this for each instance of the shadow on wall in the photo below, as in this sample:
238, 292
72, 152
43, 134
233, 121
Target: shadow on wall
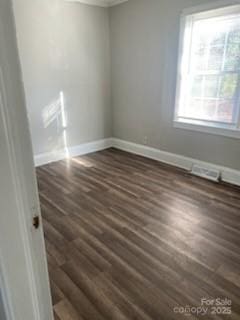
2, 311
54, 115
2, 308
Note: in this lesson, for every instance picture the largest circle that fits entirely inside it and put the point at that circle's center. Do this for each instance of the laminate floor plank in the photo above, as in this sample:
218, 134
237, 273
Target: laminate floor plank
65, 311
130, 238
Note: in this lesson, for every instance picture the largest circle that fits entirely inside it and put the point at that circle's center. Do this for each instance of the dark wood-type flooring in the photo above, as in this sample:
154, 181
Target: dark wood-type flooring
131, 238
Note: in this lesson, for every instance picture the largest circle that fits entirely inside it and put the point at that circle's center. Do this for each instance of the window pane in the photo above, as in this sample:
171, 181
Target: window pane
218, 38
199, 56
219, 110
234, 34
208, 45
209, 110
228, 86
215, 59
197, 86
225, 111
232, 61
210, 87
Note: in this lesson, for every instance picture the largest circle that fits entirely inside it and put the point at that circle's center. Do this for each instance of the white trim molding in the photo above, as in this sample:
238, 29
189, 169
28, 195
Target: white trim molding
152, 153
115, 2
99, 3
202, 127
227, 175
85, 148
210, 6
183, 119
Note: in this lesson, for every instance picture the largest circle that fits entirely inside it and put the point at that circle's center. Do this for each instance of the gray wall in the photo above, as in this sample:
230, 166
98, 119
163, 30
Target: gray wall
144, 43
64, 47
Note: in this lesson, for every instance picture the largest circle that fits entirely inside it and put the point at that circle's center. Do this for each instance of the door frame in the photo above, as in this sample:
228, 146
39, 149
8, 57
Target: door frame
18, 159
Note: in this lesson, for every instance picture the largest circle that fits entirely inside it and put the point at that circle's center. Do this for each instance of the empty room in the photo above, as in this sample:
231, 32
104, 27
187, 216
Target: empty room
119, 159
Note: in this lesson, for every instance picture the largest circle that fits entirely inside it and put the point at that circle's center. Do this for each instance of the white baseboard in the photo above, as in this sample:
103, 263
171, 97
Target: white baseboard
152, 153
75, 151
228, 175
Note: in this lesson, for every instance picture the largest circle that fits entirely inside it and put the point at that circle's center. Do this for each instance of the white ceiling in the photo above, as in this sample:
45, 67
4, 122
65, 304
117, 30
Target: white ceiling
100, 3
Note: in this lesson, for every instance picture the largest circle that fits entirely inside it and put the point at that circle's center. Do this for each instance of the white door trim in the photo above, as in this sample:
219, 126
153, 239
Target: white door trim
22, 250
23, 220
19, 191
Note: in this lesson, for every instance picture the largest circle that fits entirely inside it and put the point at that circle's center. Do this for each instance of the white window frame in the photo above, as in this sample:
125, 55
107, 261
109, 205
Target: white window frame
203, 11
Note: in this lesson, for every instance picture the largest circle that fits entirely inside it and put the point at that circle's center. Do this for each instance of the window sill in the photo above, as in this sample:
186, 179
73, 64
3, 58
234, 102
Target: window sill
201, 126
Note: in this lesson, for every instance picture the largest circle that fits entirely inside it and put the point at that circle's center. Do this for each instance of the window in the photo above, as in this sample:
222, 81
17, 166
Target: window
208, 88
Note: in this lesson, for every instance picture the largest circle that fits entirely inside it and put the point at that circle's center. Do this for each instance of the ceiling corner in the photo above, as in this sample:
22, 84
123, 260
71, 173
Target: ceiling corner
115, 2
99, 3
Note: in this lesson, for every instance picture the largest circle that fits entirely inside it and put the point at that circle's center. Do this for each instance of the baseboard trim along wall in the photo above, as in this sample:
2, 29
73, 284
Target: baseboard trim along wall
228, 175
75, 151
